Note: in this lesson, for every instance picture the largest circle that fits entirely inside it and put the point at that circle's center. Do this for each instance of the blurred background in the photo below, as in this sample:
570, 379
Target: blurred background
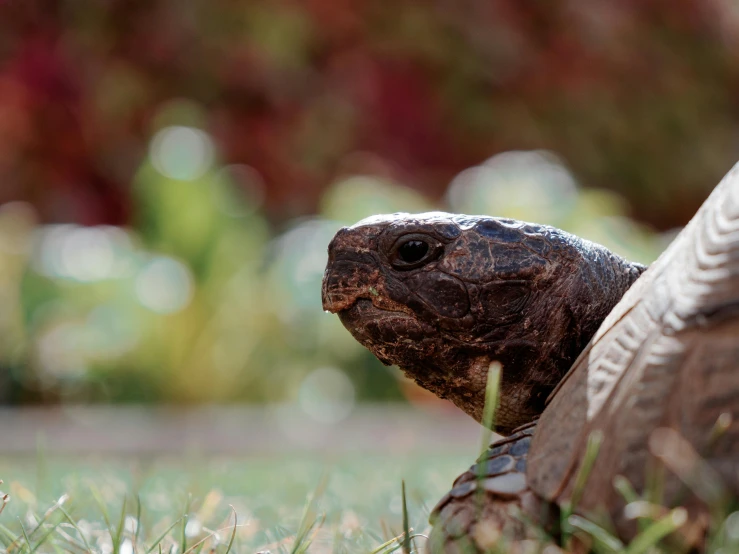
171, 172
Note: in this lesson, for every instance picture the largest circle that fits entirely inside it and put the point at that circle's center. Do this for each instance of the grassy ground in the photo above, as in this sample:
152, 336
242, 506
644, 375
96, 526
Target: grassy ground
341, 495
348, 503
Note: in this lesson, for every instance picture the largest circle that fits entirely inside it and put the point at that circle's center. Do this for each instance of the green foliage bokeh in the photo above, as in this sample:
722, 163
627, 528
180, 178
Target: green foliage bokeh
201, 300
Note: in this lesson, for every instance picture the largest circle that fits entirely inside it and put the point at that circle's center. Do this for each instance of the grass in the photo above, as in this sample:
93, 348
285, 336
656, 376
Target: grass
292, 505
374, 502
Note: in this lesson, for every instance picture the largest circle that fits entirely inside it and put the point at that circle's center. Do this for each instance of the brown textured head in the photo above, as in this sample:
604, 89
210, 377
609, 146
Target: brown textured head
443, 295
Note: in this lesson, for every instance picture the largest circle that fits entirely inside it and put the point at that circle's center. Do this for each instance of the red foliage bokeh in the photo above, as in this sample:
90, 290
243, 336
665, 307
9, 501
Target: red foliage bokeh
640, 97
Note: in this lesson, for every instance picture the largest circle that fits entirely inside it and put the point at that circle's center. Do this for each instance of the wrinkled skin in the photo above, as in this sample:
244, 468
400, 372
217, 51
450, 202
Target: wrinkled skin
442, 296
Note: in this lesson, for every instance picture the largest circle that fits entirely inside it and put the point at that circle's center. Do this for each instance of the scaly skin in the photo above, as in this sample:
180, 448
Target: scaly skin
487, 289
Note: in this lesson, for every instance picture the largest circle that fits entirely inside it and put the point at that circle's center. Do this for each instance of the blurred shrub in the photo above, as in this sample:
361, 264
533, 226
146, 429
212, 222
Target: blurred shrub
641, 97
202, 301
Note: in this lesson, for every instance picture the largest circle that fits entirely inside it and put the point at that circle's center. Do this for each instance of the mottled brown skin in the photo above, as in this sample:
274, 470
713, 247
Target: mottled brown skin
487, 289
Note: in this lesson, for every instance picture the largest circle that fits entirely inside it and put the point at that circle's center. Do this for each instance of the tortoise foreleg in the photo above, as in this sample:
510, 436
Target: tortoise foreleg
491, 505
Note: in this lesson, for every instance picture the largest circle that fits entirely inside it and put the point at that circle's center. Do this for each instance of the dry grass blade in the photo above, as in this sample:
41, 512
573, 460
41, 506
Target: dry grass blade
395, 540
642, 509
5, 500
216, 532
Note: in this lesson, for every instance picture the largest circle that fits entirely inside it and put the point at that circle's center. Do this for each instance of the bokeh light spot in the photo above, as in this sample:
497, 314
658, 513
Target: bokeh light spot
326, 395
85, 254
360, 196
533, 186
164, 286
182, 153
60, 352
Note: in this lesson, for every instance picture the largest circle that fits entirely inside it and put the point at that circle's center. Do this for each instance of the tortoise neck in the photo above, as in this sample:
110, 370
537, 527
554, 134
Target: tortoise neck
575, 310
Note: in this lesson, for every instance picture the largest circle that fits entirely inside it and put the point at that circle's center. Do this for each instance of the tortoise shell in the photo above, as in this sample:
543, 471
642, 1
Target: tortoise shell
660, 375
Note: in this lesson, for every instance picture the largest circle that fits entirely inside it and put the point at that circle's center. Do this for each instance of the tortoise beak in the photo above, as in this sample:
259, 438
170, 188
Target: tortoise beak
349, 275
333, 295
351, 272
344, 282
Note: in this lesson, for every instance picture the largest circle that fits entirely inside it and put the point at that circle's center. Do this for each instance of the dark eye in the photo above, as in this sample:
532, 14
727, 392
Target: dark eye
413, 251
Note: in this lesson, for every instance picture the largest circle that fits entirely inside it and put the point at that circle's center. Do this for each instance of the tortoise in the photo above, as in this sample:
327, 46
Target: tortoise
589, 344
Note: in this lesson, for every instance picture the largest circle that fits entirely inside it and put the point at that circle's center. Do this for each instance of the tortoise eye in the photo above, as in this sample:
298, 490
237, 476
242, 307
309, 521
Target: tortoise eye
412, 252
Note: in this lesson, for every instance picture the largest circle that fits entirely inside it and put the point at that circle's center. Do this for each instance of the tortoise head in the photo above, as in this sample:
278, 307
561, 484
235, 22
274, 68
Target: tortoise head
442, 296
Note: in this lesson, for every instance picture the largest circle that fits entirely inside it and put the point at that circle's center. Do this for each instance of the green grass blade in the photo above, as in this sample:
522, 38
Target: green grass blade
657, 531
121, 526
185, 518
568, 508
103, 509
69, 541
138, 520
12, 537
161, 537
723, 423
406, 530
591, 453
604, 541
76, 528
7, 535
308, 520
47, 515
623, 486
233, 532
492, 387
25, 535
45, 536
